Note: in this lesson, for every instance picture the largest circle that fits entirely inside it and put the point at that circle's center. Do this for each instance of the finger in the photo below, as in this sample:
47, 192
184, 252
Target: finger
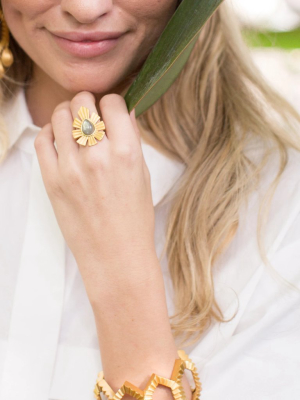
134, 123
118, 123
62, 121
87, 100
46, 151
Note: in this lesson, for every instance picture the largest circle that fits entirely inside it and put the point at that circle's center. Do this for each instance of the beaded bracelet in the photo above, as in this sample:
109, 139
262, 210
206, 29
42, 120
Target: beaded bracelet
174, 383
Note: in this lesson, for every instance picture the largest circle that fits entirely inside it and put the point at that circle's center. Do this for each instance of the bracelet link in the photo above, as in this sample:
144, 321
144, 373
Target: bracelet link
174, 383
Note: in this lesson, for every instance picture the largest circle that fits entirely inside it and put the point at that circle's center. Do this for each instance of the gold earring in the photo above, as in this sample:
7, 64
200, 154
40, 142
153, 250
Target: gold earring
6, 56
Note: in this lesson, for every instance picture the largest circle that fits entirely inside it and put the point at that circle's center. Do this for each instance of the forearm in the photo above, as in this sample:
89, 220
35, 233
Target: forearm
134, 331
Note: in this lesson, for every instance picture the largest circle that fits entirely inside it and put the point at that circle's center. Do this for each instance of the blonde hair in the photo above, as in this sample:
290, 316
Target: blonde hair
205, 120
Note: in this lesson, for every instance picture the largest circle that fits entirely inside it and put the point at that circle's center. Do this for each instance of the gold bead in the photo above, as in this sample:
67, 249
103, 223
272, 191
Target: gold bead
7, 57
2, 72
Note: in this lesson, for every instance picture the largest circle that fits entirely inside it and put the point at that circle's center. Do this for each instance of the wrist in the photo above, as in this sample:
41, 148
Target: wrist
127, 277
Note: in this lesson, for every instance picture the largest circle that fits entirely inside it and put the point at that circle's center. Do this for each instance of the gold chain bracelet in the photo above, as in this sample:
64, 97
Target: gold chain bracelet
174, 383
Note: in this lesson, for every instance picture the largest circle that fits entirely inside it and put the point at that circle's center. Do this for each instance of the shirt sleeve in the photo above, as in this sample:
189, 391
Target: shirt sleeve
261, 360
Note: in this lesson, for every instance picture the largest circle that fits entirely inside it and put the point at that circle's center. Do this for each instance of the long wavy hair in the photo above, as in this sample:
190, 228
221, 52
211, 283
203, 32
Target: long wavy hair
204, 120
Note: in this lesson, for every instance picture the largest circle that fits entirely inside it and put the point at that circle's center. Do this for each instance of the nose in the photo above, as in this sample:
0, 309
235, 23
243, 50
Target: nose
86, 11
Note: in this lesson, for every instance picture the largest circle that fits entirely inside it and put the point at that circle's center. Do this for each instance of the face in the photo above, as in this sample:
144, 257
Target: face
64, 38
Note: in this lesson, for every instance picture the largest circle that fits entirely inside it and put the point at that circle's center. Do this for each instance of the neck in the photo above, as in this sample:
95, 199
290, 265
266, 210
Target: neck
44, 94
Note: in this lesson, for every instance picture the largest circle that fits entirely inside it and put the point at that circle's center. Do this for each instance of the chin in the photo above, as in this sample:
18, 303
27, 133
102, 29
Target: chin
89, 87
91, 81
85, 83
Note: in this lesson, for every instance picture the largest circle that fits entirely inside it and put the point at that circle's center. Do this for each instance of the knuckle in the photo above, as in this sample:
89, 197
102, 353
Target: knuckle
83, 98
61, 112
93, 163
65, 105
72, 177
127, 155
39, 139
55, 190
110, 100
38, 142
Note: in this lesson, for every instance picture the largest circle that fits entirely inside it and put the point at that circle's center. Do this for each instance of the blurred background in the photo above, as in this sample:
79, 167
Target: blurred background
272, 30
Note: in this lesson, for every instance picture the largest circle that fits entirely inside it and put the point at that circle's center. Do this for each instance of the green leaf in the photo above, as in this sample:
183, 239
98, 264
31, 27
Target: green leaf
170, 54
285, 40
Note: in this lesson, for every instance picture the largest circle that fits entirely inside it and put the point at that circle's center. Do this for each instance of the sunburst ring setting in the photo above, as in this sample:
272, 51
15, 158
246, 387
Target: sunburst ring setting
86, 128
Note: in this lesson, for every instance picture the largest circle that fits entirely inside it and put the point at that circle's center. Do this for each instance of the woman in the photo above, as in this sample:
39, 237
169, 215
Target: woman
83, 268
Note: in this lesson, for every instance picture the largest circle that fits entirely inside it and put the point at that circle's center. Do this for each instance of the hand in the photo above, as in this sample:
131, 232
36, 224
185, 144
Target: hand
101, 195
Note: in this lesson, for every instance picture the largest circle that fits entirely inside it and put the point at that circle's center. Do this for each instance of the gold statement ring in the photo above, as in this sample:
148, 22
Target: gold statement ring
174, 383
87, 129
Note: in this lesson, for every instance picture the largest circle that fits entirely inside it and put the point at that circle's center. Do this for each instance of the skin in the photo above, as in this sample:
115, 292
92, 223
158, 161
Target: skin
63, 75
102, 190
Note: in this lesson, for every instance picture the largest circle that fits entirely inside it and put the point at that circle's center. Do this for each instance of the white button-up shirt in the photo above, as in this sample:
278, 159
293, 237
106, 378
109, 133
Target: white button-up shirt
48, 339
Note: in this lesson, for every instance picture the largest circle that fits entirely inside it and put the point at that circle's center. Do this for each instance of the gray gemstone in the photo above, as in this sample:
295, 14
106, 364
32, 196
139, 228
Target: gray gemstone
87, 127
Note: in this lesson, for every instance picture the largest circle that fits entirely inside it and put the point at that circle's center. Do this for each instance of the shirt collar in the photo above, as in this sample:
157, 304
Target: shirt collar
17, 118
164, 171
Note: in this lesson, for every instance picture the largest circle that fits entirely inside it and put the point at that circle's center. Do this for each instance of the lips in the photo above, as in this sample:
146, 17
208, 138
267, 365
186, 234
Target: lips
86, 44
88, 36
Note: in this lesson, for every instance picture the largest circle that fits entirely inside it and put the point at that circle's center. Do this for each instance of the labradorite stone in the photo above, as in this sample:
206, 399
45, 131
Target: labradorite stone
87, 127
